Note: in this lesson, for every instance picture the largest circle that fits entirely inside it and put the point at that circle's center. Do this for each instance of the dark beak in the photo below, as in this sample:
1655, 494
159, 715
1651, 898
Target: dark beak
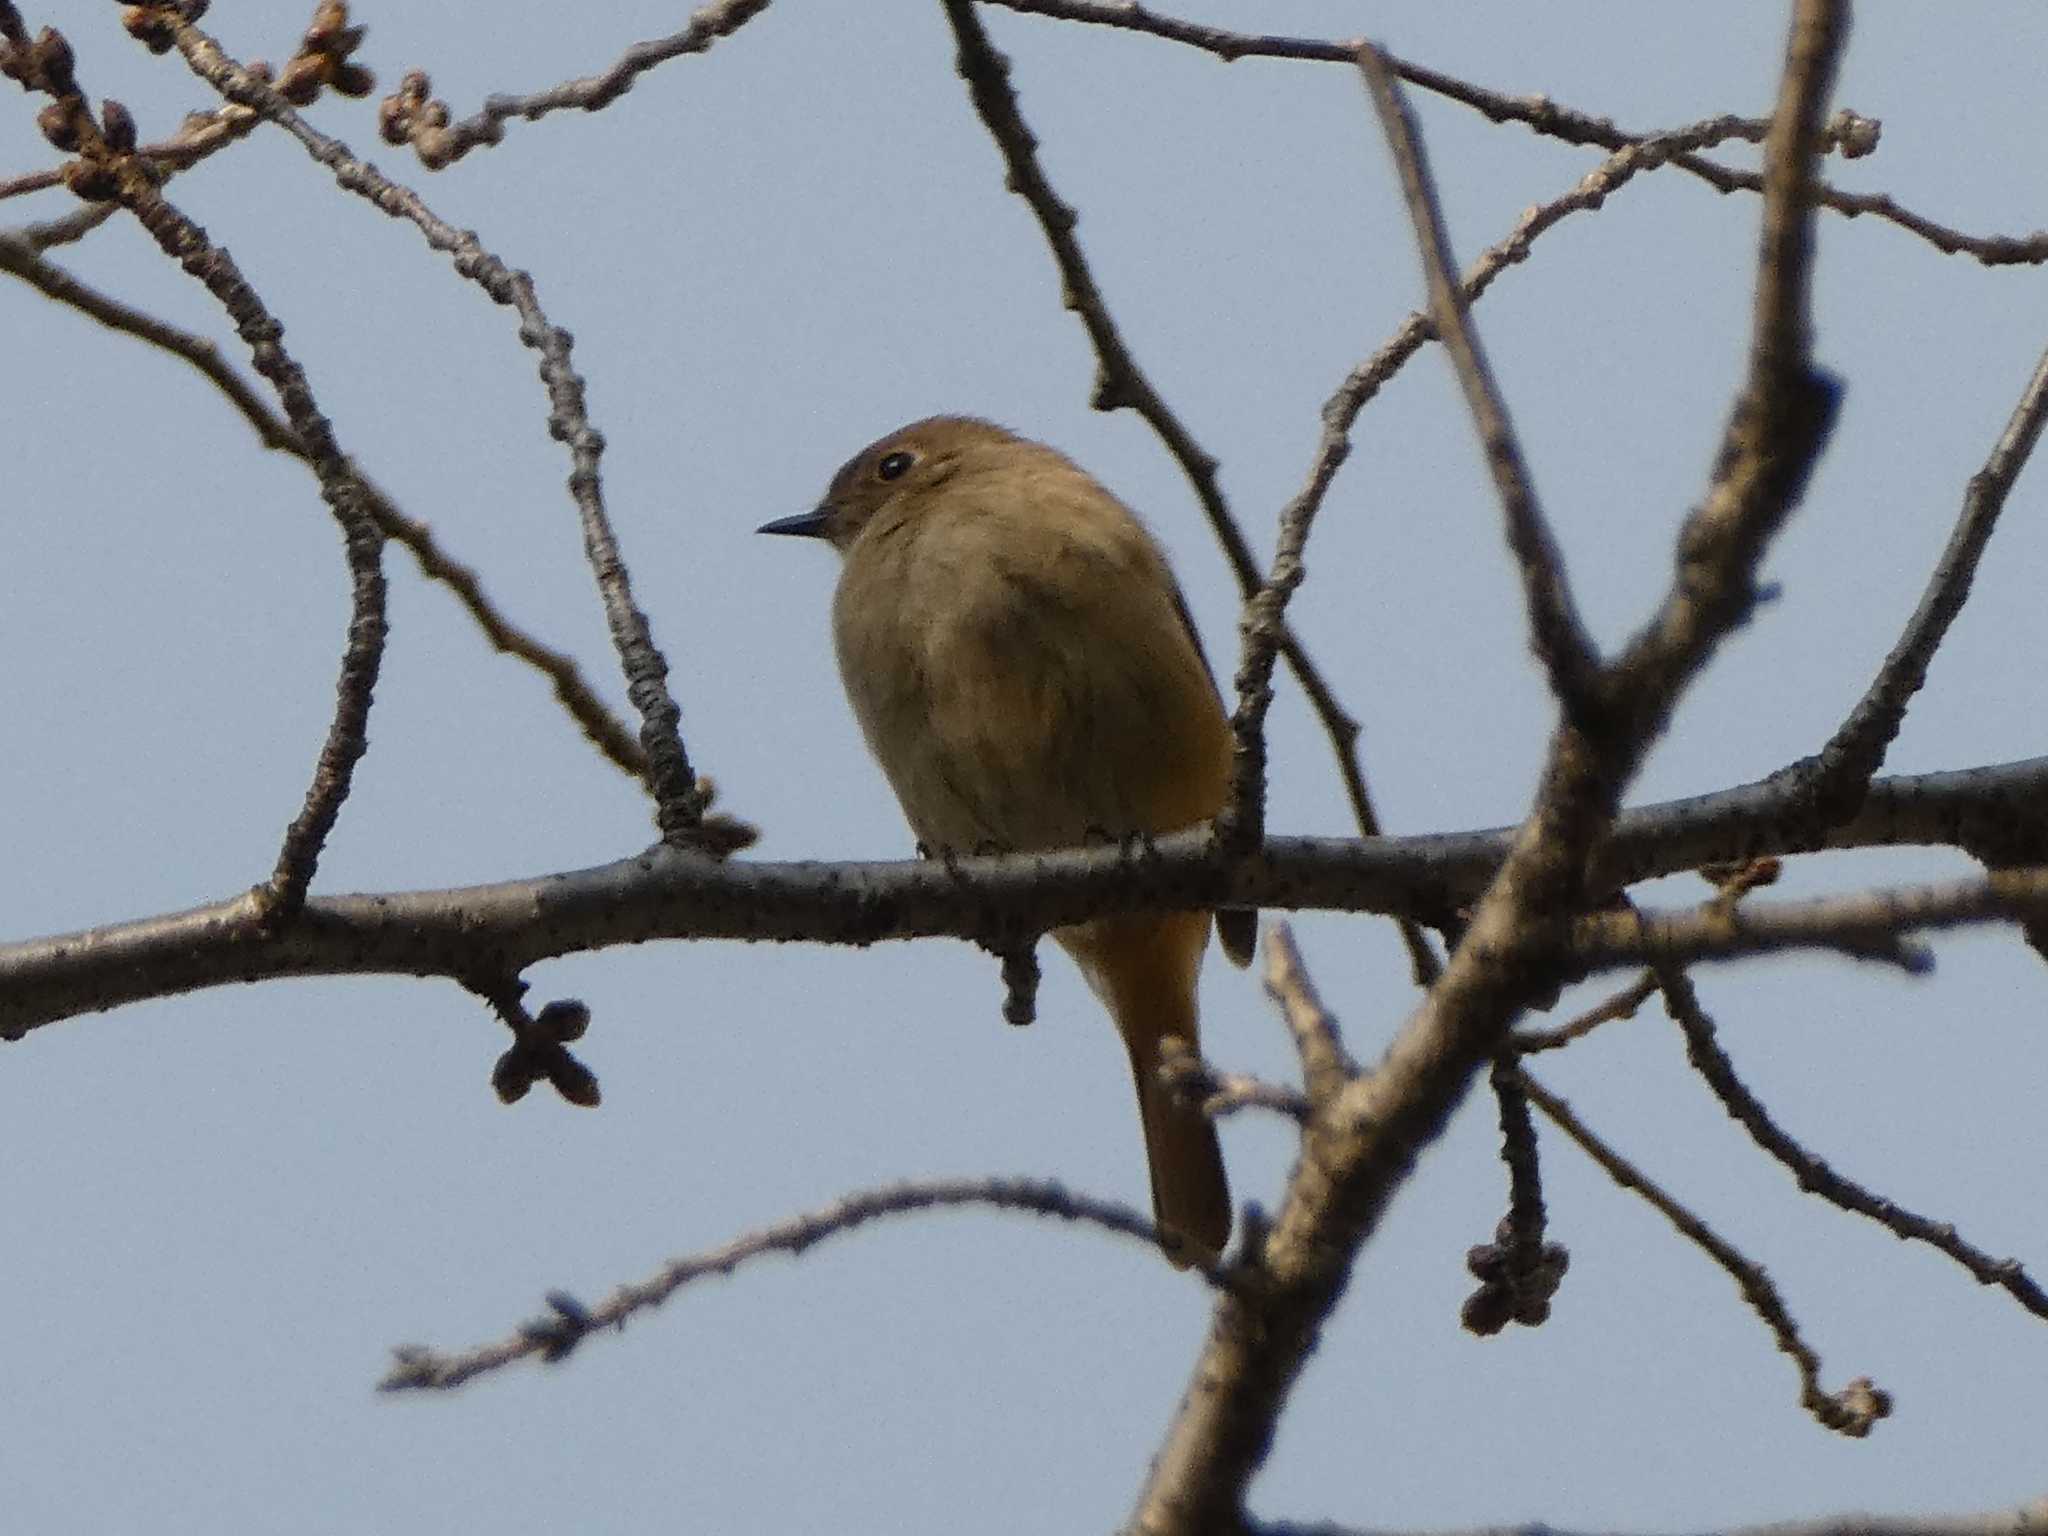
808, 525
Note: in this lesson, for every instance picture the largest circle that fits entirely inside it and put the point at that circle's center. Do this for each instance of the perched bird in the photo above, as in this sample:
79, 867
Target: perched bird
1025, 671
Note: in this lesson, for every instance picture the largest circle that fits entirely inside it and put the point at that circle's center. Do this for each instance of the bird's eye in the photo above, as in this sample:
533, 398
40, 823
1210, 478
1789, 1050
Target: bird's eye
895, 465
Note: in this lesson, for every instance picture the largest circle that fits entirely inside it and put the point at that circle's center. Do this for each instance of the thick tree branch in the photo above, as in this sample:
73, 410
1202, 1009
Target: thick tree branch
1358, 1152
505, 927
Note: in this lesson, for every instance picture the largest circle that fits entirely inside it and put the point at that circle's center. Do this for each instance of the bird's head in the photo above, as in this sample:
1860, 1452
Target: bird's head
896, 478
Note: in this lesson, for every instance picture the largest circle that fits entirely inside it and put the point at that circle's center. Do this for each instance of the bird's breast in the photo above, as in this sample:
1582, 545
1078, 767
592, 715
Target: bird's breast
1030, 702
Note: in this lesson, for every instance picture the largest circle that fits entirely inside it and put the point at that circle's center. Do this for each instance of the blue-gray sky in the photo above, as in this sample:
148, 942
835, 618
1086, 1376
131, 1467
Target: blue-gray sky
224, 1208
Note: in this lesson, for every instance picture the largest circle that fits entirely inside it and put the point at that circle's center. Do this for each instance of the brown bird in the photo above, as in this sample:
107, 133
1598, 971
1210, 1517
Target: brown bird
1025, 671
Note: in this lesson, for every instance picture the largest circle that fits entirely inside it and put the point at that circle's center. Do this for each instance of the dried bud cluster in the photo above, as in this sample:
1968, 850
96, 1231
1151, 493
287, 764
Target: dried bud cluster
48, 65
411, 115
1517, 1280
107, 147
322, 62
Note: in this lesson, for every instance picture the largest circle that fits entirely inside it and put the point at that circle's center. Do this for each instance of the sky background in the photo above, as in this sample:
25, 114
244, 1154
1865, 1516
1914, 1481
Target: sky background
223, 1209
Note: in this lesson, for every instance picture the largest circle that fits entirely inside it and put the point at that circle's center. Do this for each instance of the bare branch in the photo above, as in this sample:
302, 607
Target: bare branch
1218, 1094
1621, 1005
1775, 433
319, 63
363, 544
1518, 1272
1339, 413
552, 1337
409, 117
1589, 194
201, 135
1871, 925
111, 171
1361, 1151
1365, 1130
513, 924
1735, 879
1703, 1049
1557, 634
1854, 136
679, 801
22, 259
1836, 778
1325, 1065
108, 169
1853, 1410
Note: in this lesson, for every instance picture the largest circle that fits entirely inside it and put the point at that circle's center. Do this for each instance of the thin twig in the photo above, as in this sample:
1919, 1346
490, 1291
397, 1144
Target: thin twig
1851, 1411
201, 135
1556, 632
1526, 1216
552, 1337
1873, 925
1589, 194
1544, 115
1218, 1094
1326, 1066
572, 690
1703, 1049
1333, 446
1620, 1005
46, 234
319, 63
362, 541
409, 118
23, 260
1733, 879
1834, 781
1518, 1272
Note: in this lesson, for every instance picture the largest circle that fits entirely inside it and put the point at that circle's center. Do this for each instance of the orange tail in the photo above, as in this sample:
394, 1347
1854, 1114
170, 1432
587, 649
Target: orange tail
1145, 970
1190, 1195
